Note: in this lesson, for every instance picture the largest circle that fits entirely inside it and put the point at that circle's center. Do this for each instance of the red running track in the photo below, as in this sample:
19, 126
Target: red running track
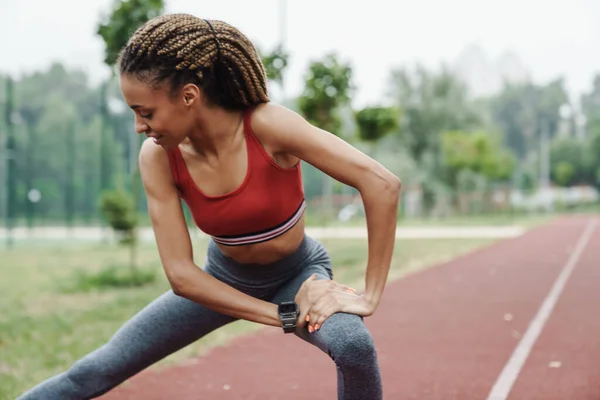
445, 333
565, 361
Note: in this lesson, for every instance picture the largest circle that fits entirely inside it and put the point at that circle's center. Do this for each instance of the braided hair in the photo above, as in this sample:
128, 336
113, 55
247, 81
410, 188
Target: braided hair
180, 48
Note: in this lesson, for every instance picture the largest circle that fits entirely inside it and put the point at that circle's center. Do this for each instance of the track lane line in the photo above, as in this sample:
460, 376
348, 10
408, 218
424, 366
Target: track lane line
510, 372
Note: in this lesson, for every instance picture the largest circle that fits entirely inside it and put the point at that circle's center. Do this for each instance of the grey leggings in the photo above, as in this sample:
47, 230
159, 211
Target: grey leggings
171, 322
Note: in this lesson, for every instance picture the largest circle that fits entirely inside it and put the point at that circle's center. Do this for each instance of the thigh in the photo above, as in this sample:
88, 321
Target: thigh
164, 326
288, 291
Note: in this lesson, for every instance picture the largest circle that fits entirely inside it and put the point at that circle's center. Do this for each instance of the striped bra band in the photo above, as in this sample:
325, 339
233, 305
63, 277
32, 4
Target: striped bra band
263, 236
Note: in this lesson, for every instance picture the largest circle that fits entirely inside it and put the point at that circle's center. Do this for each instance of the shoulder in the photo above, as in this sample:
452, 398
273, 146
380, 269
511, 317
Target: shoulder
153, 160
275, 119
150, 153
280, 127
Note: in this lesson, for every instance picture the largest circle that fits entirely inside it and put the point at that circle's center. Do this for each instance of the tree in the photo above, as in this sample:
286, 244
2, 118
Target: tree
563, 173
479, 152
115, 29
431, 102
591, 110
327, 88
119, 210
375, 122
275, 64
593, 148
523, 111
576, 154
477, 155
126, 16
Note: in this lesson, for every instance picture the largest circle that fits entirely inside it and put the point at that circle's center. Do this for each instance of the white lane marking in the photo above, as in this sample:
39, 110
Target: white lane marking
505, 381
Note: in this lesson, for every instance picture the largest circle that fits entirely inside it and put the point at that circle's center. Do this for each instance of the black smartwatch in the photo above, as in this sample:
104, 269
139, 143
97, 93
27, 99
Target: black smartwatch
288, 315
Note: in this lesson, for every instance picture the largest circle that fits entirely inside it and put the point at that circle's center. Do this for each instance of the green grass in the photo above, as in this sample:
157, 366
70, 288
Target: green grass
45, 325
524, 220
499, 220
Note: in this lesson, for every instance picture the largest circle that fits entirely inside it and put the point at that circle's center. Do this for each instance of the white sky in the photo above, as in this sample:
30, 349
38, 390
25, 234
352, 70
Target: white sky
552, 38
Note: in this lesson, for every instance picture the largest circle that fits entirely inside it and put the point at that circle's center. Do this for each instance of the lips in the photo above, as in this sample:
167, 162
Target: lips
155, 138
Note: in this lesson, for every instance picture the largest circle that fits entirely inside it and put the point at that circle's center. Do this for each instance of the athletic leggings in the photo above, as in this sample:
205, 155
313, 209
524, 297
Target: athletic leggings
171, 322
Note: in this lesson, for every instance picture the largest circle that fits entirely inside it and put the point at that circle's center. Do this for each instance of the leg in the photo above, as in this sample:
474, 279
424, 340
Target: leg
164, 326
345, 338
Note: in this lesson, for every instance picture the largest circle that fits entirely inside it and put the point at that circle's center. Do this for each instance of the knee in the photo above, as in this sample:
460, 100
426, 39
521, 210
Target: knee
82, 373
91, 372
351, 344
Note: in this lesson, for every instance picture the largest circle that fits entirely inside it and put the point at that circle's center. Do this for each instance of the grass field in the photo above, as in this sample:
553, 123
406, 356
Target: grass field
49, 318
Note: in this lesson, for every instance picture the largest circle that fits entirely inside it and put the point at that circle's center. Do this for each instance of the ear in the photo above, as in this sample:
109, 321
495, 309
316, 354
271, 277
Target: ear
190, 94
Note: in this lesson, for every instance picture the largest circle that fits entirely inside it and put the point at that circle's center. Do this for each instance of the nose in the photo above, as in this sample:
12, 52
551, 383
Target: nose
140, 126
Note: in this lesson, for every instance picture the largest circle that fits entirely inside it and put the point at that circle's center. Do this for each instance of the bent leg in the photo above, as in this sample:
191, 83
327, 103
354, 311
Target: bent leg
346, 339
163, 327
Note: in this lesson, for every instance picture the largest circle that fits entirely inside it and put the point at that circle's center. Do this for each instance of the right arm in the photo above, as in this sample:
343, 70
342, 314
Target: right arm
175, 249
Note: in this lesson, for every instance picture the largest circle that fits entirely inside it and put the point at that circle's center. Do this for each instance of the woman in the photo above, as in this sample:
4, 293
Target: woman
199, 93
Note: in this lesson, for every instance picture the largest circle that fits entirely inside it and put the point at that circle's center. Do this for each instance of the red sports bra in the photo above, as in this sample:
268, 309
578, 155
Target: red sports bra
269, 202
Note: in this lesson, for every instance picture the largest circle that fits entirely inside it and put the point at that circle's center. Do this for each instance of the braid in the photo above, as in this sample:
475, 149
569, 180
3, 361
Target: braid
181, 48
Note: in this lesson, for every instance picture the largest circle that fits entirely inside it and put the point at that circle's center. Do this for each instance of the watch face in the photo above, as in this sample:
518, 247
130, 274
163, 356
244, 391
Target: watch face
287, 308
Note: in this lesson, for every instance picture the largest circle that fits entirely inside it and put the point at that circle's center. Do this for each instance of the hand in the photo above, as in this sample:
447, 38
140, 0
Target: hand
319, 299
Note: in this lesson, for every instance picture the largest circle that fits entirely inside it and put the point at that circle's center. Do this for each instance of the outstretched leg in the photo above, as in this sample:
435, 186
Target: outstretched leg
346, 339
164, 326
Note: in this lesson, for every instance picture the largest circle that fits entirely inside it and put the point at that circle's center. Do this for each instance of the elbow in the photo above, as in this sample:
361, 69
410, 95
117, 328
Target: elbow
391, 185
178, 281
383, 184
394, 185
178, 288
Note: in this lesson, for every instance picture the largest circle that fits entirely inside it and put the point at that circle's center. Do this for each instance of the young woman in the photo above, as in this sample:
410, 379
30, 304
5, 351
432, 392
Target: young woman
199, 93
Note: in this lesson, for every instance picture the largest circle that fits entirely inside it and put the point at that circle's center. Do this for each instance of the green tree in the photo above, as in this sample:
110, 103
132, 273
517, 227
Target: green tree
42, 127
432, 102
591, 109
479, 152
563, 173
125, 17
576, 154
476, 155
373, 123
522, 111
119, 211
275, 64
593, 148
115, 29
327, 88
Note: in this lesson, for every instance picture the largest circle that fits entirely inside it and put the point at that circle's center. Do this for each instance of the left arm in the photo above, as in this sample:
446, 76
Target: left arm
288, 132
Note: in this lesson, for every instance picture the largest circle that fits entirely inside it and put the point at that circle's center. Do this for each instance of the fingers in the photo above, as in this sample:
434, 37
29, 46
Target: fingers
326, 306
318, 299
310, 278
322, 316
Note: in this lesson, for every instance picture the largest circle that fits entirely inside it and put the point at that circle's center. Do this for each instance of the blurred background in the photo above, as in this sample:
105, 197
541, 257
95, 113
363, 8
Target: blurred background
488, 112
478, 107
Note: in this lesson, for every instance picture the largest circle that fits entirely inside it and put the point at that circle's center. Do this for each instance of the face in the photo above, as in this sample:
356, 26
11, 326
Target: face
164, 117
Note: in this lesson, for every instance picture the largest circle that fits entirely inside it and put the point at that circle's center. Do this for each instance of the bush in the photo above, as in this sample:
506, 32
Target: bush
119, 211
108, 278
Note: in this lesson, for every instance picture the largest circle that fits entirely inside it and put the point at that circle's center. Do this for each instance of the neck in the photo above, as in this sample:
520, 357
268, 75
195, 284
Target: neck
214, 128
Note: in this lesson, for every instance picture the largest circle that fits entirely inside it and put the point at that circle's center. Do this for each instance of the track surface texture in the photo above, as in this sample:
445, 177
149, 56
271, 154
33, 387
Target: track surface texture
495, 324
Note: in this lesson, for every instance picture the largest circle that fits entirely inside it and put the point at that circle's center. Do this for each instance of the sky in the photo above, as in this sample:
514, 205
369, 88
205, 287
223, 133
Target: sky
552, 38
